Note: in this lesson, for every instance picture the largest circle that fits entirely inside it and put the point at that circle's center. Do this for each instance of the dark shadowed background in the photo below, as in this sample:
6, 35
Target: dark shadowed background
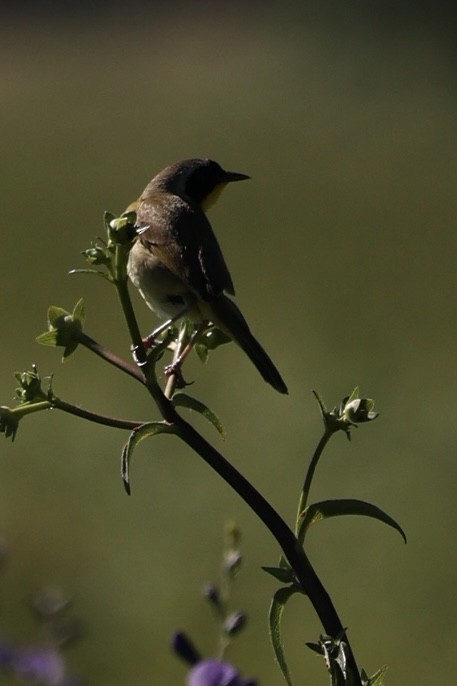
343, 251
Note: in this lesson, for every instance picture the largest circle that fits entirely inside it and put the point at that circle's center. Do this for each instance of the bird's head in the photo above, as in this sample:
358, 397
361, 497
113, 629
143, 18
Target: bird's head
199, 179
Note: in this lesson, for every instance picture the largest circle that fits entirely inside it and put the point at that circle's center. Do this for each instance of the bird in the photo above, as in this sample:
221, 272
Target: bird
176, 262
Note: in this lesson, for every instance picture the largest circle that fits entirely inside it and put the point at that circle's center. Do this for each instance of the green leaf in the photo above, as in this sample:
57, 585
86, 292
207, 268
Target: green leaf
95, 272
337, 677
376, 680
56, 315
9, 422
286, 576
69, 349
316, 647
108, 218
29, 386
210, 340
63, 328
354, 395
48, 338
184, 400
121, 230
335, 508
278, 603
202, 352
213, 338
139, 434
79, 313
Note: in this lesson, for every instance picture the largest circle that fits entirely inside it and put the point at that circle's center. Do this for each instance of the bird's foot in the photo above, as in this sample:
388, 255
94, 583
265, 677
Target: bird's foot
175, 370
137, 354
139, 351
150, 341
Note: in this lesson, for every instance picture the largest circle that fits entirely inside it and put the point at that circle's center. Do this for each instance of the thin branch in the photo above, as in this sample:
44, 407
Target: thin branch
129, 315
94, 416
110, 357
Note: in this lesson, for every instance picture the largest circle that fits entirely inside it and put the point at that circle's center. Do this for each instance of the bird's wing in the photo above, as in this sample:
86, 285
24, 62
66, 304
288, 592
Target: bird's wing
181, 237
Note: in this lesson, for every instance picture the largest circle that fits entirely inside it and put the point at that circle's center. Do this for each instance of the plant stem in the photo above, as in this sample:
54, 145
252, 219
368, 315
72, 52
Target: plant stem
129, 315
94, 416
30, 408
110, 357
309, 476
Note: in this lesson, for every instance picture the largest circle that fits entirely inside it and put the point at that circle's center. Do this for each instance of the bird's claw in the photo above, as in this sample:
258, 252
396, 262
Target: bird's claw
137, 351
174, 369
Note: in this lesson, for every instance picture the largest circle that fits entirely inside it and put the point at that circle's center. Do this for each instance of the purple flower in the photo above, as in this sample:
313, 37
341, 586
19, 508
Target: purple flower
216, 673
7, 653
183, 646
39, 665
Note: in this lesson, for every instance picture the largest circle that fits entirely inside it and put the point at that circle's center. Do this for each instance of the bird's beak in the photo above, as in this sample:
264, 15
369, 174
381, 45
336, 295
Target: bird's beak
234, 176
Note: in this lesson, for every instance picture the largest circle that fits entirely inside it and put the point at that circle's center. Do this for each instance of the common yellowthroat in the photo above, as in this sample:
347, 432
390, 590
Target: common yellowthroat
176, 262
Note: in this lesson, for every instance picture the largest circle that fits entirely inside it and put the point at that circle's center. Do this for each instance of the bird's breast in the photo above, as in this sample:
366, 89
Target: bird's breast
162, 291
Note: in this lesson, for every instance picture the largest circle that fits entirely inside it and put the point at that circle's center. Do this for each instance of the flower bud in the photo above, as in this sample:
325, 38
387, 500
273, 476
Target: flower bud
235, 622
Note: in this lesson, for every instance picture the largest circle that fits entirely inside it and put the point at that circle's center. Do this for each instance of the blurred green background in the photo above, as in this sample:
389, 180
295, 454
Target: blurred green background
343, 252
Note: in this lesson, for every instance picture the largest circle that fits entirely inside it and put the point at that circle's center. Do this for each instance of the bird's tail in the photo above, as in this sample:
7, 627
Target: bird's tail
226, 316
